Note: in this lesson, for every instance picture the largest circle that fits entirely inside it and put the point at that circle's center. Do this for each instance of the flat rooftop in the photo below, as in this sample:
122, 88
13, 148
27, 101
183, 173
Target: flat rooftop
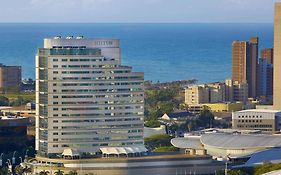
259, 110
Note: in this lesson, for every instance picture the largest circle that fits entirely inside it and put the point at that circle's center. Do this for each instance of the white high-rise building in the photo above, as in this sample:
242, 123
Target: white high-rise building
85, 98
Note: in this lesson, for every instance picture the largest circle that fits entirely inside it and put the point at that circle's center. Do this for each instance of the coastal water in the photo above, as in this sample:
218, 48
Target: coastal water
164, 52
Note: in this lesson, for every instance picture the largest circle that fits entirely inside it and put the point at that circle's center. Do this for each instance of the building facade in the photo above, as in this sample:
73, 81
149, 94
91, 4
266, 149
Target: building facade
205, 93
197, 94
257, 119
85, 98
277, 57
268, 54
244, 63
236, 91
265, 79
10, 78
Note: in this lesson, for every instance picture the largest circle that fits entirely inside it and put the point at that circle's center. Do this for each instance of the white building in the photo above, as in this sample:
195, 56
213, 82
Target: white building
257, 119
85, 98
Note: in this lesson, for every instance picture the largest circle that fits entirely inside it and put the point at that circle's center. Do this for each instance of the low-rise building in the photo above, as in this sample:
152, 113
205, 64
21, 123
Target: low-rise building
197, 94
176, 116
224, 107
257, 119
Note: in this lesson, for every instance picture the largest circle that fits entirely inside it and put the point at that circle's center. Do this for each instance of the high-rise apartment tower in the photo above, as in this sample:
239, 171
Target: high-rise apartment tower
244, 63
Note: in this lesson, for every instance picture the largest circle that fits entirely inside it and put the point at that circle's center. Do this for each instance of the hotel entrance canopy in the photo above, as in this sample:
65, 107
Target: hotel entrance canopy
134, 149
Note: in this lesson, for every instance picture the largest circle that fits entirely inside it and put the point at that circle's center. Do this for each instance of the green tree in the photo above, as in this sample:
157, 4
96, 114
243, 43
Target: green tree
157, 140
72, 173
205, 118
19, 170
59, 172
152, 123
4, 101
4, 171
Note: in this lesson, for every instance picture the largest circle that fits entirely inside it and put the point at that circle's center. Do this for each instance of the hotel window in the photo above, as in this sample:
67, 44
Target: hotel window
55, 60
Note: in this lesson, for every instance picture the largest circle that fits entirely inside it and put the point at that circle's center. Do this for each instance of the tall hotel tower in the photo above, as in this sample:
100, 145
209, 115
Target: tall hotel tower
277, 58
85, 98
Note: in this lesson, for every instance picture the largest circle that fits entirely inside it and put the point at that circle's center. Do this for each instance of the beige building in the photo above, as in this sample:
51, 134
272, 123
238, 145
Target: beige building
206, 93
85, 99
277, 58
197, 94
236, 91
10, 78
257, 119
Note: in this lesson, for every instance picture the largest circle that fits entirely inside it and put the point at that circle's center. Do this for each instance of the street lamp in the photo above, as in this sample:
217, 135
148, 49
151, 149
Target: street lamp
1, 160
13, 158
20, 159
26, 156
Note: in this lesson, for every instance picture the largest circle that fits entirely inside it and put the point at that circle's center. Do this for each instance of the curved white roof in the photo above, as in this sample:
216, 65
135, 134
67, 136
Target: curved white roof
182, 142
231, 141
123, 150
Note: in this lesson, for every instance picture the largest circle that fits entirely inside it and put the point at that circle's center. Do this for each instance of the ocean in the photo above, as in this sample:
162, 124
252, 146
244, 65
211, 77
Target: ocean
164, 52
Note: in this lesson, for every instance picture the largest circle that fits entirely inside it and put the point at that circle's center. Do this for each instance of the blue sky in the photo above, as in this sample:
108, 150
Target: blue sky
213, 11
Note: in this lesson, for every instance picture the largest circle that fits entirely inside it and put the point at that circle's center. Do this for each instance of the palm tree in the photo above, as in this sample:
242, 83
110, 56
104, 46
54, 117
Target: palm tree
4, 171
27, 170
19, 170
44, 172
59, 172
72, 173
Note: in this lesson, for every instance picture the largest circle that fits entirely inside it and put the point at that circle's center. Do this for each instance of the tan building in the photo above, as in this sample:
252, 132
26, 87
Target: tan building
207, 93
277, 58
10, 78
244, 63
236, 91
196, 94
257, 119
267, 54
